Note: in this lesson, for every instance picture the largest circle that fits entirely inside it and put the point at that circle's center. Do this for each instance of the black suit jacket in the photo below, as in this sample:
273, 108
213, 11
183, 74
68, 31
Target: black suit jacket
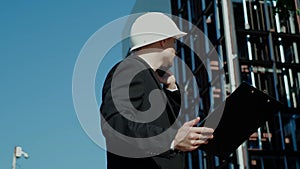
124, 97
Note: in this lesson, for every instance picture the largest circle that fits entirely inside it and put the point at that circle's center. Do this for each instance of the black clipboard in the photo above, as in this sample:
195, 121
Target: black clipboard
244, 111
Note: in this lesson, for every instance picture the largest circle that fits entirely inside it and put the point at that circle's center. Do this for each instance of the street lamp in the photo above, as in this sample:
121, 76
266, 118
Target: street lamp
18, 152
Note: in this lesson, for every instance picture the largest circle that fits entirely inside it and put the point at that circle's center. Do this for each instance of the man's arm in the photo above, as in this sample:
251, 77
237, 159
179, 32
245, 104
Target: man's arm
121, 130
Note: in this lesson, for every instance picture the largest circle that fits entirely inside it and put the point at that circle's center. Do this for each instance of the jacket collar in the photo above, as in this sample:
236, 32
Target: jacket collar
153, 74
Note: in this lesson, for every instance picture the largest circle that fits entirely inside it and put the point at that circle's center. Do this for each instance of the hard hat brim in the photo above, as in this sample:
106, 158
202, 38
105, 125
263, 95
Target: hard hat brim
176, 36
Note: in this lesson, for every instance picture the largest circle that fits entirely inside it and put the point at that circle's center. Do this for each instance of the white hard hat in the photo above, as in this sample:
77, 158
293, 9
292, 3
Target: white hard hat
152, 27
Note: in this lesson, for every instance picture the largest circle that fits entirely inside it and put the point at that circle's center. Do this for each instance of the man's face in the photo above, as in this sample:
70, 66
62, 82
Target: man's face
169, 53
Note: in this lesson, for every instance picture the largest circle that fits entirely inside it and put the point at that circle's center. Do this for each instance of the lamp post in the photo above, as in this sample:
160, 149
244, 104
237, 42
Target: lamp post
18, 152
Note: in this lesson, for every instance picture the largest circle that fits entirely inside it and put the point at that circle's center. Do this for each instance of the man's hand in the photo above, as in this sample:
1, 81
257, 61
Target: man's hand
189, 138
168, 79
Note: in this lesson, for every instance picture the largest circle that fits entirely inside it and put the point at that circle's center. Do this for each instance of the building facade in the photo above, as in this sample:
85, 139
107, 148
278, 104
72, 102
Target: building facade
256, 41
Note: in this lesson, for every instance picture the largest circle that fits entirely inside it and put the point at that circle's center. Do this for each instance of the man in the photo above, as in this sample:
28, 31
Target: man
141, 102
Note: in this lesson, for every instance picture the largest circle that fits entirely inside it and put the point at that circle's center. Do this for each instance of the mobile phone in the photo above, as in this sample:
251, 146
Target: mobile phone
160, 72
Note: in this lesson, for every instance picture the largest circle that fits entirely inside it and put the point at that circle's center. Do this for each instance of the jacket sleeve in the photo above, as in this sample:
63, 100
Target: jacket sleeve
174, 98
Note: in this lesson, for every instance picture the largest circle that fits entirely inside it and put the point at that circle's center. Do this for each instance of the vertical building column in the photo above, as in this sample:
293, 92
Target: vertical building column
231, 47
233, 68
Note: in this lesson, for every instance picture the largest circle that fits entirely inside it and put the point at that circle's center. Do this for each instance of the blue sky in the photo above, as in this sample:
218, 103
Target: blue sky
40, 42
39, 45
